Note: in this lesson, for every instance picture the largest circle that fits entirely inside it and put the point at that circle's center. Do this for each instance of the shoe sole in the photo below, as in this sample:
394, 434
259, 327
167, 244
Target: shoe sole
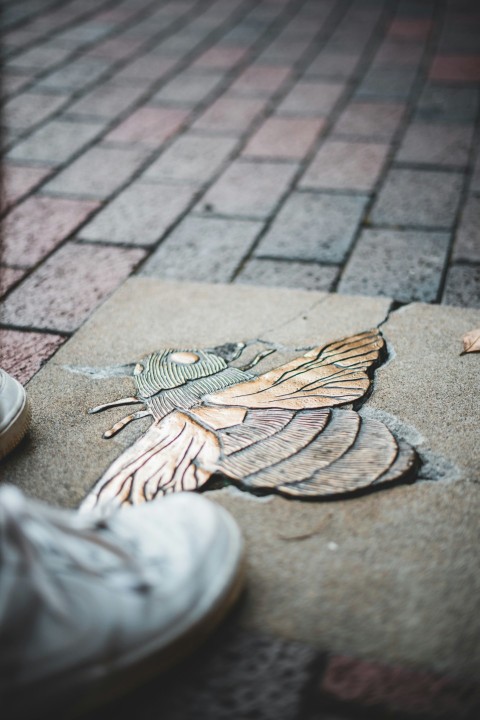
14, 433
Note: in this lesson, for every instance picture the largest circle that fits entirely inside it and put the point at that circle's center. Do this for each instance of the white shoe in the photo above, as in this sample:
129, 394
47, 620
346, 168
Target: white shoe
14, 413
91, 607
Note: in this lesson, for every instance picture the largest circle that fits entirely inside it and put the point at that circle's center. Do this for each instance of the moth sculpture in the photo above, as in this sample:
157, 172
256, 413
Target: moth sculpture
281, 431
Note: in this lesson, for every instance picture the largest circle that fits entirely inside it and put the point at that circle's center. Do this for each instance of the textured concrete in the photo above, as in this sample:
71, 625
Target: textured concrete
390, 576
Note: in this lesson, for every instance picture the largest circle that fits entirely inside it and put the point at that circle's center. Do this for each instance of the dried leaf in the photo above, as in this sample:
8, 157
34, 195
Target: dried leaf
471, 341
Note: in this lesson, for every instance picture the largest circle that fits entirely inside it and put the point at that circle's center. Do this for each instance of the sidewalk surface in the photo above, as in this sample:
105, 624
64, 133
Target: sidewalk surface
319, 145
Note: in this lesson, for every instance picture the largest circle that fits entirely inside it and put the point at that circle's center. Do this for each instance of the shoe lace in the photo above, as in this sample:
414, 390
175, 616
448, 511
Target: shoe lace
31, 533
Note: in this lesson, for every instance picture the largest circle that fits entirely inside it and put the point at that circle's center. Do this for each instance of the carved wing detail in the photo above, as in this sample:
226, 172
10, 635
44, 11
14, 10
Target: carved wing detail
326, 376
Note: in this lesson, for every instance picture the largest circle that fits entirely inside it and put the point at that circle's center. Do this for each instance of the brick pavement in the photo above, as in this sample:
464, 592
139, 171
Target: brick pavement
320, 144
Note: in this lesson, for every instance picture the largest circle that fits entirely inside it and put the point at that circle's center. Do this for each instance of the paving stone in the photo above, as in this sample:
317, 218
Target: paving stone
149, 126
188, 89
36, 226
313, 227
260, 80
248, 188
281, 137
140, 215
285, 50
416, 541
191, 159
467, 240
462, 287
370, 120
97, 173
220, 58
12, 83
8, 278
116, 48
387, 82
333, 65
146, 68
456, 68
230, 115
82, 34
38, 58
107, 100
278, 273
406, 266
20, 179
203, 249
395, 52
436, 144
68, 286
475, 180
346, 166
76, 75
30, 108
311, 99
55, 142
410, 28
444, 103
22, 354
418, 197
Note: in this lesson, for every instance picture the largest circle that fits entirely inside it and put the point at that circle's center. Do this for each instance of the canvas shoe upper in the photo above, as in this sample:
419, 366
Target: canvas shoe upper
14, 412
89, 605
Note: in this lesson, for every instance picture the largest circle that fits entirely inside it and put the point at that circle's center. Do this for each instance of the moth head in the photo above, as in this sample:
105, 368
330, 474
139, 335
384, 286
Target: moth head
173, 368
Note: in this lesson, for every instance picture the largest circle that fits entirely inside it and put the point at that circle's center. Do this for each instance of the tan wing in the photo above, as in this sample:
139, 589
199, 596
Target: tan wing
175, 454
330, 375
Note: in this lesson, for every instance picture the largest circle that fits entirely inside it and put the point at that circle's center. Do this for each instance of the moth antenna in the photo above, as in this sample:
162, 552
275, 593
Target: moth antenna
257, 358
115, 403
125, 421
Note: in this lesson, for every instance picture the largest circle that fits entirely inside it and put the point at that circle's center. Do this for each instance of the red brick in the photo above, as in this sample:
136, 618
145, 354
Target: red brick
22, 354
311, 99
230, 115
20, 179
248, 188
395, 689
410, 28
221, 58
260, 80
346, 166
395, 52
284, 137
149, 126
456, 68
8, 277
38, 225
68, 286
98, 172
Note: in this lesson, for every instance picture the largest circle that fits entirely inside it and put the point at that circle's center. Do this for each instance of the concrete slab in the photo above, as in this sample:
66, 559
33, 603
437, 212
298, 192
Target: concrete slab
391, 576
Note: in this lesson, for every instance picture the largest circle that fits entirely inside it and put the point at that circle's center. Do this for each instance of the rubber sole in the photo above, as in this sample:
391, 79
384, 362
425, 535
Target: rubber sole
14, 433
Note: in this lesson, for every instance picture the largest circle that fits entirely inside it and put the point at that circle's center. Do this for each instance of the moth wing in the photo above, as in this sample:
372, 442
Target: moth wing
326, 376
176, 453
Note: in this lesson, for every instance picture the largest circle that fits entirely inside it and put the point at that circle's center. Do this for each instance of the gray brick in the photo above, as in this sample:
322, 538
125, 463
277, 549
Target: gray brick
346, 166
436, 144
475, 183
97, 173
107, 100
463, 286
300, 275
444, 103
418, 197
370, 120
55, 142
75, 75
203, 249
248, 188
313, 227
467, 241
406, 266
188, 89
191, 159
311, 99
146, 69
339, 66
29, 108
38, 58
387, 82
140, 215
230, 115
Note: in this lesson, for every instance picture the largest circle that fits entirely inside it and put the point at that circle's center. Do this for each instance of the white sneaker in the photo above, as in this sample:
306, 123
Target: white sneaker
91, 607
14, 413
